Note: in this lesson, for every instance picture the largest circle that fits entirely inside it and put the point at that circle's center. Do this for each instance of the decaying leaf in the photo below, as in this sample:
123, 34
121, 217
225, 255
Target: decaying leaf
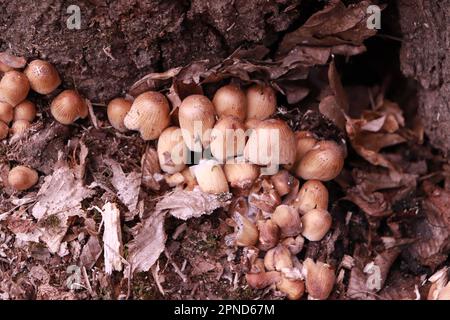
335, 25
147, 245
192, 204
376, 130
149, 242
433, 246
329, 108
91, 252
127, 186
368, 276
58, 199
153, 81
23, 227
376, 190
151, 171
112, 238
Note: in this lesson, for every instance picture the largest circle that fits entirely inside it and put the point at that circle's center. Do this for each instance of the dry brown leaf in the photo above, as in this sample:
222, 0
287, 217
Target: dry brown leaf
58, 199
335, 25
369, 144
368, 276
401, 287
192, 204
337, 88
201, 266
153, 81
433, 231
147, 245
126, 185
329, 108
149, 242
377, 189
91, 252
23, 227
150, 169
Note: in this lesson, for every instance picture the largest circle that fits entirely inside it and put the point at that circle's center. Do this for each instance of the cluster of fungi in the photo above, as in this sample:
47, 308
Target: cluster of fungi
272, 214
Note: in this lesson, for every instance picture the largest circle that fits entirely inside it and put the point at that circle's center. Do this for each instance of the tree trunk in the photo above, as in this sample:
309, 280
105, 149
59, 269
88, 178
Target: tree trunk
120, 41
425, 57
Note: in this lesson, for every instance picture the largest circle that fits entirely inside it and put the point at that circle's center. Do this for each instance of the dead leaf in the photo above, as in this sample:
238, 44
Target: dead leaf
401, 287
337, 88
201, 266
368, 275
91, 252
192, 204
147, 245
433, 231
149, 242
377, 189
329, 108
58, 199
151, 171
153, 81
127, 186
335, 25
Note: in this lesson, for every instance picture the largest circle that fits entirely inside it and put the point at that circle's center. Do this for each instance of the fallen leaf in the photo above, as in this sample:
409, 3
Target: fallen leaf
335, 25
201, 266
337, 88
152, 81
127, 186
368, 275
376, 190
433, 231
192, 204
58, 199
149, 242
91, 252
150, 169
329, 108
147, 245
401, 287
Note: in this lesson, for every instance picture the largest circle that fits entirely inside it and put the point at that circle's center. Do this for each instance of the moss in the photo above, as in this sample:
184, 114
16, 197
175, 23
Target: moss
211, 243
52, 221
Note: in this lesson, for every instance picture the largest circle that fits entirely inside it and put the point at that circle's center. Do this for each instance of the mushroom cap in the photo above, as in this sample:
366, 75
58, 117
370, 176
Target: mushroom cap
14, 87
68, 106
149, 114
22, 178
43, 76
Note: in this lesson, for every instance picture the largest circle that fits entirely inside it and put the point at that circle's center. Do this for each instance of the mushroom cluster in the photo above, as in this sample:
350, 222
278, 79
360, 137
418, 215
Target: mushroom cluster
39, 76
275, 174
272, 212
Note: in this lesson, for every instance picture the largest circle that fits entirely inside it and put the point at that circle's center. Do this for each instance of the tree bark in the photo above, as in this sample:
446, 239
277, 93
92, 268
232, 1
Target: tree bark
120, 41
425, 25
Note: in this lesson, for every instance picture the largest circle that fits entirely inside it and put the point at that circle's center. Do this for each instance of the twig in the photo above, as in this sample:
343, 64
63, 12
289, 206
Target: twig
175, 267
88, 283
155, 274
